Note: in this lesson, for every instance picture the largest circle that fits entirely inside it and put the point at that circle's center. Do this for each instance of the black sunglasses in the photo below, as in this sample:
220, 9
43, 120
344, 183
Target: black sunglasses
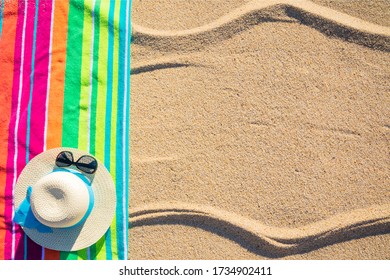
85, 163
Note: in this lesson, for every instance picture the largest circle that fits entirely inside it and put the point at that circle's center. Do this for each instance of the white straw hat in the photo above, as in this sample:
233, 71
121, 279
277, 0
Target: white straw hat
64, 208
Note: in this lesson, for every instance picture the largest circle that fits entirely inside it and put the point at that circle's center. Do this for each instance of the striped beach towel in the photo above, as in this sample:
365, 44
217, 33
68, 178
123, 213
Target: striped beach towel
64, 82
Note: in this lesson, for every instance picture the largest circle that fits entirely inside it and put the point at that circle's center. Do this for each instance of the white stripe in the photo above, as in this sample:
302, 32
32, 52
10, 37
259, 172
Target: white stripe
91, 76
125, 133
48, 88
48, 76
17, 125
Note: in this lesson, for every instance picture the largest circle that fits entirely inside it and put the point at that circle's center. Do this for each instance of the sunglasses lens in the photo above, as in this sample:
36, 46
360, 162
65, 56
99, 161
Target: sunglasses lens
87, 164
64, 159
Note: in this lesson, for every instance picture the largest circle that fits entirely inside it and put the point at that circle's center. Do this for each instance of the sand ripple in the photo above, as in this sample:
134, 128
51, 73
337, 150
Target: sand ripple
264, 239
162, 63
329, 21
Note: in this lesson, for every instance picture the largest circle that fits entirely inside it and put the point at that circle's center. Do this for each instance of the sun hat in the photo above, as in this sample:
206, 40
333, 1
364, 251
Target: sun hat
63, 204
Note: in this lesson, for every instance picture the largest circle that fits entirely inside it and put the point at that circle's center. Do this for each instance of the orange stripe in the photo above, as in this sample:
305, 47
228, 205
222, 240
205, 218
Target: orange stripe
51, 254
7, 43
57, 78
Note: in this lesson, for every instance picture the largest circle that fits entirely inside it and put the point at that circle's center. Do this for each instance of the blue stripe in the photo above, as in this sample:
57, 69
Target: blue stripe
110, 61
127, 144
110, 66
1, 16
119, 131
25, 246
31, 82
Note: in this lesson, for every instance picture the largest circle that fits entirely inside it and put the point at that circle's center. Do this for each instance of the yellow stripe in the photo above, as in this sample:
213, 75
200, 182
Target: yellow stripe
85, 79
102, 84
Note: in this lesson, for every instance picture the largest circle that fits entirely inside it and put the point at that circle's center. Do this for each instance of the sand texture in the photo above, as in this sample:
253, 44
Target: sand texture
260, 129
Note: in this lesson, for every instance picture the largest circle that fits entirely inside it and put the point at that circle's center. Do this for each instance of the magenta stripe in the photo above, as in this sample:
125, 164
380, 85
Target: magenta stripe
11, 133
26, 84
37, 121
21, 162
38, 110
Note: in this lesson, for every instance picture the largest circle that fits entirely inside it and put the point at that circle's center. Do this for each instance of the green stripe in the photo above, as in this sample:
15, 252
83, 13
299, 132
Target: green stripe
70, 129
95, 78
68, 256
85, 78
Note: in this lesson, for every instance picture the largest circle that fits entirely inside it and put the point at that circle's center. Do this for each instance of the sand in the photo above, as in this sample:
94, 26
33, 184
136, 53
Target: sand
260, 129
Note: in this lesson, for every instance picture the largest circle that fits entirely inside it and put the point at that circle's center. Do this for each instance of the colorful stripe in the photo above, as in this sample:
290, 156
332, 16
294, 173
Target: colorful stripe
67, 84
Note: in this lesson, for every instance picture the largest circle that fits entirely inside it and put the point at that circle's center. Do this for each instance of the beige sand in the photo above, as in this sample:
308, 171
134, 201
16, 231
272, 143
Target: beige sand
260, 130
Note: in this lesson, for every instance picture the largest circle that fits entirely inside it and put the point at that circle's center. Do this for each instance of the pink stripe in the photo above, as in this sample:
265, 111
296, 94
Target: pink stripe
38, 109
20, 125
29, 37
21, 161
11, 147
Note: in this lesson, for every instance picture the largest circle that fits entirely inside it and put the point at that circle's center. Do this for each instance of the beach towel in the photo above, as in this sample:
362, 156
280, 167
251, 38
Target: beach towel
64, 82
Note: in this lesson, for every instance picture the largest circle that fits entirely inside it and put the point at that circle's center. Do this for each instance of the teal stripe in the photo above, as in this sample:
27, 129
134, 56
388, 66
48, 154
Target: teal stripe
108, 244
121, 193
127, 129
107, 137
128, 122
110, 61
25, 246
31, 82
1, 16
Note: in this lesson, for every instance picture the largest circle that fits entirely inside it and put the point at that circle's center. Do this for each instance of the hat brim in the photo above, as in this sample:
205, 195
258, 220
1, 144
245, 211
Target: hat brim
99, 220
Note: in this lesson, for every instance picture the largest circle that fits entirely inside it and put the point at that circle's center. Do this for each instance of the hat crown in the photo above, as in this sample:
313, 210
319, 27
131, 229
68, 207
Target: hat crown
60, 199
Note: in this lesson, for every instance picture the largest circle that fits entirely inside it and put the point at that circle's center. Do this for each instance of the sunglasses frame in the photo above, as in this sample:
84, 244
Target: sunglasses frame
77, 163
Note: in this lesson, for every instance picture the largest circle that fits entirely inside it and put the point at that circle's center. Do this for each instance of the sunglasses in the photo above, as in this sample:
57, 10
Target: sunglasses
85, 163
